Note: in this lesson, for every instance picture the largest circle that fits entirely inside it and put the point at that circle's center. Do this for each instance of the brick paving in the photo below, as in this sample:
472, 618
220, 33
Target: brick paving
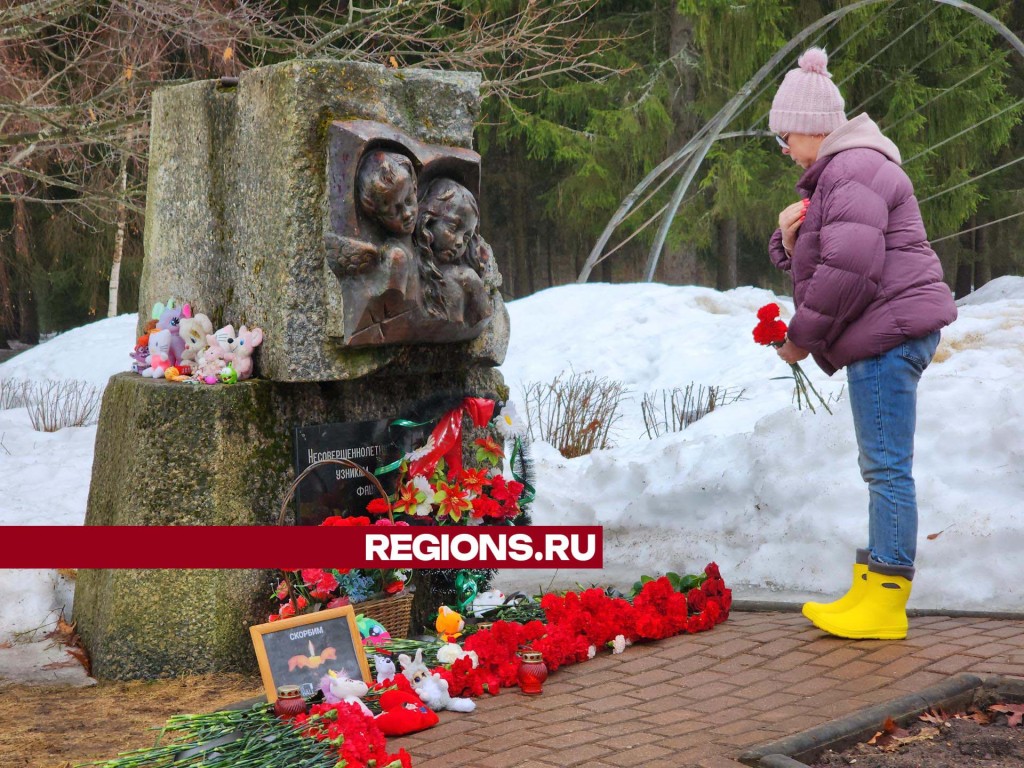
698, 701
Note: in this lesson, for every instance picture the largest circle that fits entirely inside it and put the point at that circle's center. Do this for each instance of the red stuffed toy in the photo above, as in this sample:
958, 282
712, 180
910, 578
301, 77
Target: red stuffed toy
404, 713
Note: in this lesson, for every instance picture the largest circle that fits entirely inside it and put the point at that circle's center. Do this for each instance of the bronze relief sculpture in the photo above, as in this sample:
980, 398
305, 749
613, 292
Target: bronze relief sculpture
404, 239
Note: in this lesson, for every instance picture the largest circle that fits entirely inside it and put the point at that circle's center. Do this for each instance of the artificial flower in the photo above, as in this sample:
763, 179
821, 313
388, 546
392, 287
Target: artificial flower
412, 499
474, 480
335, 587
508, 422
452, 502
422, 451
488, 450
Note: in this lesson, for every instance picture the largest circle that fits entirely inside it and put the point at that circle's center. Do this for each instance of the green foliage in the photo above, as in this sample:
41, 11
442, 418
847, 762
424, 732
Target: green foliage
924, 73
592, 138
72, 272
679, 583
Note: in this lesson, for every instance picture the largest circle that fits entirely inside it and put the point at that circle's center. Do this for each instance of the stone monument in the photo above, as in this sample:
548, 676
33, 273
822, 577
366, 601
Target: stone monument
334, 206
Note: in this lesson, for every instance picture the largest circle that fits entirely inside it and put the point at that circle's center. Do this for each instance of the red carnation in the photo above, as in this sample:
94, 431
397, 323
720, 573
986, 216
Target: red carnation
336, 521
696, 600
378, 506
770, 332
485, 506
768, 312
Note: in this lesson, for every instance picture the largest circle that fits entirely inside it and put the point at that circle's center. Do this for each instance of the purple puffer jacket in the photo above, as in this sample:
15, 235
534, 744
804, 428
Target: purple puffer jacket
865, 278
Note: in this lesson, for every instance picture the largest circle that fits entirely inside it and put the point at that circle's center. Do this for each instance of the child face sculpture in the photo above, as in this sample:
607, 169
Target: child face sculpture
396, 209
388, 191
452, 227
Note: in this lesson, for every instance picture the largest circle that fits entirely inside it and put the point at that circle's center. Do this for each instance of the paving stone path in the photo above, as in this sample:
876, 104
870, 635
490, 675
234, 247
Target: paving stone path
698, 701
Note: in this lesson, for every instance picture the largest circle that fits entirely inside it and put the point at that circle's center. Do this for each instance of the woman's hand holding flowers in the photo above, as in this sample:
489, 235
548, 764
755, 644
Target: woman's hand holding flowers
790, 219
791, 353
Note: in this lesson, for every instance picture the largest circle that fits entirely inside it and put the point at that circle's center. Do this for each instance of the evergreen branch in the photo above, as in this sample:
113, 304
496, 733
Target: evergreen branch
980, 226
939, 95
968, 129
989, 172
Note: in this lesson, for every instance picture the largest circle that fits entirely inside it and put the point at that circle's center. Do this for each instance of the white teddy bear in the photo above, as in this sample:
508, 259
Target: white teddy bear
338, 688
431, 687
385, 667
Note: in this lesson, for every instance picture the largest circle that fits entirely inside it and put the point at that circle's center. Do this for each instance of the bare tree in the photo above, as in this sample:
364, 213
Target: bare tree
77, 79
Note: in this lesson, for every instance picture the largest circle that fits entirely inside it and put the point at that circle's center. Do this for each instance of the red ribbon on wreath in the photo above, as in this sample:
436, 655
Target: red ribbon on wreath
446, 439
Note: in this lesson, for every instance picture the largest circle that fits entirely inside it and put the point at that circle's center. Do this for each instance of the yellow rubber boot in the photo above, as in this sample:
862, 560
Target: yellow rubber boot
881, 613
853, 596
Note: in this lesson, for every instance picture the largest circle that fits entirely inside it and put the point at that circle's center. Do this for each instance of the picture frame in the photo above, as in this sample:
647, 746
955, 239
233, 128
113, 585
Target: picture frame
301, 650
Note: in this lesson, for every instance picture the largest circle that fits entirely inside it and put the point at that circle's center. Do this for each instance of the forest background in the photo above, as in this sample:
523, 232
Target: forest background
582, 98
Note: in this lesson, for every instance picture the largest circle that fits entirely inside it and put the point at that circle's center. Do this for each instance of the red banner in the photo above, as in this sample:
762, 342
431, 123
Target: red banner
445, 546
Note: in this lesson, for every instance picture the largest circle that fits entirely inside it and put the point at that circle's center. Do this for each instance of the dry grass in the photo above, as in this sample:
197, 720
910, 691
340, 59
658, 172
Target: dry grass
53, 405
57, 727
13, 393
674, 410
575, 413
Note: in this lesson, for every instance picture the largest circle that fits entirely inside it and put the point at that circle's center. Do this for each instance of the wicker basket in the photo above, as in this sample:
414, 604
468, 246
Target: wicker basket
393, 612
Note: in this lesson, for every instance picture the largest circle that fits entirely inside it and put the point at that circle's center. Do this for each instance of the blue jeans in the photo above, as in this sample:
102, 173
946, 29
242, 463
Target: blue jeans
883, 396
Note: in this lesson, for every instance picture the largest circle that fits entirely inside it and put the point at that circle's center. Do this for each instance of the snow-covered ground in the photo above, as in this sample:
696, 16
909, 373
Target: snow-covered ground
770, 493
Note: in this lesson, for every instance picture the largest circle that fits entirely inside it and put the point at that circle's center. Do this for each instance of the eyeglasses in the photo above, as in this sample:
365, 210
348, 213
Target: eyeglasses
783, 140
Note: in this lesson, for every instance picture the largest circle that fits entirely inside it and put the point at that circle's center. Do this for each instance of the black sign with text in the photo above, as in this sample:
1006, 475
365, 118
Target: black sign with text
333, 490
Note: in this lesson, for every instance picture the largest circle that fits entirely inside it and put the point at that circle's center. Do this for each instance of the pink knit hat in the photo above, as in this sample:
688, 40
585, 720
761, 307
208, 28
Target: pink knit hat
807, 101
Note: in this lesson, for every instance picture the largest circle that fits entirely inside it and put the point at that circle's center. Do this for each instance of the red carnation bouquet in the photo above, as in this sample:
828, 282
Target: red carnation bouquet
770, 331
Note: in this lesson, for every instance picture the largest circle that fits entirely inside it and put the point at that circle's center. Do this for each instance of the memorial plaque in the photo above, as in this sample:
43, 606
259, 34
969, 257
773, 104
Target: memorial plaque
333, 490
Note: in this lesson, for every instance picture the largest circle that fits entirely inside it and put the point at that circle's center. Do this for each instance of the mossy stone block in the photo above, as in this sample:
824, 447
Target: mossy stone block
177, 454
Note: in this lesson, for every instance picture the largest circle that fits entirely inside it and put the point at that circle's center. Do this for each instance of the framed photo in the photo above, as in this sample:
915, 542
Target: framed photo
301, 650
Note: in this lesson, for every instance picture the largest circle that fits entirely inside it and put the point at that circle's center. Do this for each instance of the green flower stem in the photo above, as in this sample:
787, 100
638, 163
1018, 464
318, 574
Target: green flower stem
264, 742
820, 398
801, 388
804, 384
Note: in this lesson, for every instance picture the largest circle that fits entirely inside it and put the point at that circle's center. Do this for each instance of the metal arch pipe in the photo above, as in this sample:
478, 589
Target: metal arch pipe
627, 203
711, 132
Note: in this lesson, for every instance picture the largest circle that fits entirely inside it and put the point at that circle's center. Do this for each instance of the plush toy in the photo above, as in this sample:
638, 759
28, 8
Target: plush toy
228, 375
226, 339
246, 343
403, 713
174, 373
431, 687
485, 601
193, 331
449, 624
140, 353
158, 359
170, 320
217, 354
339, 688
372, 631
385, 667
451, 652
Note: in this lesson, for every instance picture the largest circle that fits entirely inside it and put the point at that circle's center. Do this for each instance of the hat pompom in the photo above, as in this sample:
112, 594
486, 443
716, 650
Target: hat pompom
814, 60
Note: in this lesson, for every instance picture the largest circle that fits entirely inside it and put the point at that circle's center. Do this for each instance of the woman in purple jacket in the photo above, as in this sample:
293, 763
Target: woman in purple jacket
869, 296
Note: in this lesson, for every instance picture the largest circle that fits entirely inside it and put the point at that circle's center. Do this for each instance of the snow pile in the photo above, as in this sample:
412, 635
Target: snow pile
770, 493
